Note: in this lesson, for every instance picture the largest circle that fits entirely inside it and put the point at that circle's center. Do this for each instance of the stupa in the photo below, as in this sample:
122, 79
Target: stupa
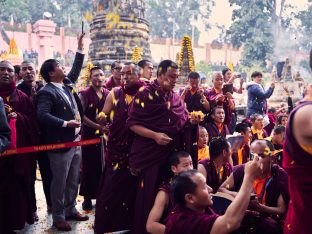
117, 28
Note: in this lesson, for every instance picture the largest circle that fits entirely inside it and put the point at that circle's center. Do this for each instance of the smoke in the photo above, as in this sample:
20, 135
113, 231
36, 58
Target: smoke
287, 45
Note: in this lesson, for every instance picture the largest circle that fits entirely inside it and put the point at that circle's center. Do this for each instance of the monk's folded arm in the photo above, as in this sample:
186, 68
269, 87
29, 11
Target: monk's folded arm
153, 224
143, 131
234, 214
279, 210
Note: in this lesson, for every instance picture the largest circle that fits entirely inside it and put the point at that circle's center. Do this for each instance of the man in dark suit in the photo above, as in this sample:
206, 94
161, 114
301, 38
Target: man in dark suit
5, 132
30, 86
59, 111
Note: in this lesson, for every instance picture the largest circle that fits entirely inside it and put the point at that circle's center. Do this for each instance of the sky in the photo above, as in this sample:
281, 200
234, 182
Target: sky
222, 15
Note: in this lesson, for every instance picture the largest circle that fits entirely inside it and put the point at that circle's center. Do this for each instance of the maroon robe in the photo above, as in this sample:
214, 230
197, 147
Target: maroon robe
110, 84
213, 130
117, 189
246, 151
298, 164
211, 97
164, 113
15, 170
212, 178
187, 221
255, 135
275, 186
91, 164
193, 103
271, 125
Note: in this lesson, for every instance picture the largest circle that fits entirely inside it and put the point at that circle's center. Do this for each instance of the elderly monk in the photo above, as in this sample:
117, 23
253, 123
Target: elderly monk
92, 100
297, 161
160, 120
15, 170
117, 189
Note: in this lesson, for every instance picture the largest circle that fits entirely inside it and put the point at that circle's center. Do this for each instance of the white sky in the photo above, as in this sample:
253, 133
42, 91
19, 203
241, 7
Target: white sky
222, 15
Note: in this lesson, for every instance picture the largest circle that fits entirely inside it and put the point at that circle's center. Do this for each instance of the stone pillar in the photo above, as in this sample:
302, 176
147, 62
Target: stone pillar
208, 52
45, 30
62, 36
29, 36
168, 46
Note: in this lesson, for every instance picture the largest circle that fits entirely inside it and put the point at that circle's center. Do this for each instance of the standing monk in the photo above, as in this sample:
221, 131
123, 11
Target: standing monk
92, 100
116, 195
115, 79
297, 161
217, 98
15, 170
159, 119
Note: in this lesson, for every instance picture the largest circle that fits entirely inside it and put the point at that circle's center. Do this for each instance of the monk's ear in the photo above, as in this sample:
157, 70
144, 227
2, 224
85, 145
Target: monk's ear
51, 73
174, 169
189, 198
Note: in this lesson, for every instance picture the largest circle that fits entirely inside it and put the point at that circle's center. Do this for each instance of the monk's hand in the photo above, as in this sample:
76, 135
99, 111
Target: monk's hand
73, 123
12, 115
229, 95
162, 138
219, 97
80, 41
255, 205
201, 92
272, 85
101, 118
103, 129
254, 168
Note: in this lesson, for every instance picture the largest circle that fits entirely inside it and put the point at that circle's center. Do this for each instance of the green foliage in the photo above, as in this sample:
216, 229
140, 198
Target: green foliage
252, 27
159, 11
203, 67
306, 27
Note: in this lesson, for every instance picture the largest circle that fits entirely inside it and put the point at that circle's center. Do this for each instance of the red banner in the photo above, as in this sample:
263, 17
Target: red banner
37, 148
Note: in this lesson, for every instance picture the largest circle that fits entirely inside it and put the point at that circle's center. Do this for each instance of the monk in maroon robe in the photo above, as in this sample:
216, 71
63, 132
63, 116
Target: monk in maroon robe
297, 161
194, 96
271, 191
117, 189
160, 120
219, 167
115, 79
92, 100
193, 215
217, 128
242, 154
216, 97
257, 129
15, 170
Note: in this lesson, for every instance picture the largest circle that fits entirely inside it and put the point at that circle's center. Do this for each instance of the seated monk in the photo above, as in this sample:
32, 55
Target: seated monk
242, 154
277, 138
271, 191
203, 149
219, 167
179, 161
257, 128
217, 127
192, 213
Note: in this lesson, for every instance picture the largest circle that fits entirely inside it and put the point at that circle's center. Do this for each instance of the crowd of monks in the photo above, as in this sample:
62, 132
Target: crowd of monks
144, 176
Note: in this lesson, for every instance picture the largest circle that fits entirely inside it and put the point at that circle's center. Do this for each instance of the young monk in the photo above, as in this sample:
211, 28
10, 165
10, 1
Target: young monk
203, 149
179, 161
271, 189
257, 131
219, 167
217, 127
242, 154
192, 214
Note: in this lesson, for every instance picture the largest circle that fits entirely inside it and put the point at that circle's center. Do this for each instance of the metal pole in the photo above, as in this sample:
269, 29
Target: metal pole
102, 152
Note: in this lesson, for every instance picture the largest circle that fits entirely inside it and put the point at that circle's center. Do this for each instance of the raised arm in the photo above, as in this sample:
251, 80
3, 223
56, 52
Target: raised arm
78, 61
234, 214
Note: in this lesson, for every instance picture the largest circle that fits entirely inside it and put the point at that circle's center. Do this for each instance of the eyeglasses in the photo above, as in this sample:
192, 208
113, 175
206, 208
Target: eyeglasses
117, 68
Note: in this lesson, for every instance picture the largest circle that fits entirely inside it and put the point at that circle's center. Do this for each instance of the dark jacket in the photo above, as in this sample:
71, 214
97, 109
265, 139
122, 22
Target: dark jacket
5, 132
257, 96
53, 108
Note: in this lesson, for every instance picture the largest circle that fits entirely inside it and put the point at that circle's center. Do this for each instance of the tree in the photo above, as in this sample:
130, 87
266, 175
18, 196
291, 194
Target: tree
179, 14
305, 27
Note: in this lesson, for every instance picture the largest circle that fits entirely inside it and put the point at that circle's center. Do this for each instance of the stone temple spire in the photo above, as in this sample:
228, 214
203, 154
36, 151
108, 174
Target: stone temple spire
118, 27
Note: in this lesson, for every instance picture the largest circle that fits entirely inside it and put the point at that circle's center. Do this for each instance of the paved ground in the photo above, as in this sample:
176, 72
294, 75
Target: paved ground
44, 225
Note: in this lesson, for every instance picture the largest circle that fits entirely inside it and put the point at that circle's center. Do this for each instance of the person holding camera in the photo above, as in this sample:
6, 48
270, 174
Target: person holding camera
257, 95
